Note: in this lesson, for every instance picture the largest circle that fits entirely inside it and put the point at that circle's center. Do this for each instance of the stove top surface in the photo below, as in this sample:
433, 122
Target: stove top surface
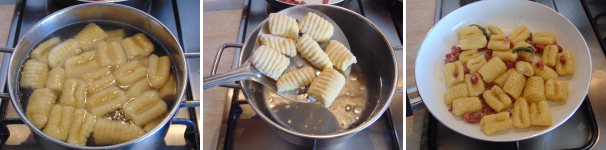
182, 134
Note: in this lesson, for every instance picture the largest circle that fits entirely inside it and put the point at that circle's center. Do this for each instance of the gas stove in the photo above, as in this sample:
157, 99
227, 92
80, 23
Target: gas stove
176, 15
582, 130
241, 128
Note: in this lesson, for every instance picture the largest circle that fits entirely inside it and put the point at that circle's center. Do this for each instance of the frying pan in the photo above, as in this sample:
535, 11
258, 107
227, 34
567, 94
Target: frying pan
111, 13
366, 95
508, 15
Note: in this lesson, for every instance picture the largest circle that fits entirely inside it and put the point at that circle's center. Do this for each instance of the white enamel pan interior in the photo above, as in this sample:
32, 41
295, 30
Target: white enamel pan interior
508, 15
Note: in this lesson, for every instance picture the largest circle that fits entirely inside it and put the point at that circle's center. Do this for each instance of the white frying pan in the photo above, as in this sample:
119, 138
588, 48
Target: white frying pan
508, 15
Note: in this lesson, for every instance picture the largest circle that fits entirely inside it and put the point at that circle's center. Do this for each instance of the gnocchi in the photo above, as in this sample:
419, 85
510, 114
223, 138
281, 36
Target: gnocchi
60, 53
81, 127
78, 65
105, 101
316, 27
41, 52
145, 108
34, 74
137, 46
74, 93
339, 55
39, 106
59, 122
326, 86
159, 68
311, 51
89, 36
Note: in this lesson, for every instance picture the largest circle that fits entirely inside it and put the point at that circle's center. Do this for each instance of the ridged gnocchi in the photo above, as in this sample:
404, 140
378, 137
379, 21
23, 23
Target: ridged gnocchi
59, 122
159, 68
282, 25
326, 86
534, 90
468, 54
295, 79
550, 54
497, 99
55, 79
269, 62
556, 90
98, 80
477, 88
145, 108
565, 64
76, 66
110, 54
520, 34
544, 38
494, 30
521, 114
540, 114
39, 106
500, 81
495, 123
316, 27
138, 88
89, 36
283, 45
466, 105
455, 92
497, 43
169, 90
108, 132
60, 53
129, 73
106, 101
515, 84
339, 55
41, 52
475, 63
311, 51
81, 128
493, 69
74, 93
546, 73
505, 55
34, 74
473, 42
137, 46
450, 70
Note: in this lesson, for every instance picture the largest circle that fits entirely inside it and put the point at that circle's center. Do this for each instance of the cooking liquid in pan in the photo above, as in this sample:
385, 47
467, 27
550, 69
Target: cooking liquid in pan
70, 31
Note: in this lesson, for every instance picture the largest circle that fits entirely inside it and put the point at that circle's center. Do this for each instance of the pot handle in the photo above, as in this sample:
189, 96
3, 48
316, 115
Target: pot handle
215, 66
6, 50
192, 103
192, 55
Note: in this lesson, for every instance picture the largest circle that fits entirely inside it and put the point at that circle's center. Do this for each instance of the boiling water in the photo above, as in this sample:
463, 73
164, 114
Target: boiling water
70, 31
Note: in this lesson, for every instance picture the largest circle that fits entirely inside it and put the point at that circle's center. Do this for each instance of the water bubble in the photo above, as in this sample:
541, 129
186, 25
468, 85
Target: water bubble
289, 121
305, 126
357, 118
353, 77
347, 107
362, 87
357, 110
287, 106
271, 99
318, 73
272, 105
299, 64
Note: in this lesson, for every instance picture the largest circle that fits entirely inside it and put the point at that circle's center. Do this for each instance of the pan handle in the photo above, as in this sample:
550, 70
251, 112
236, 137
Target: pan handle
415, 101
215, 66
6, 50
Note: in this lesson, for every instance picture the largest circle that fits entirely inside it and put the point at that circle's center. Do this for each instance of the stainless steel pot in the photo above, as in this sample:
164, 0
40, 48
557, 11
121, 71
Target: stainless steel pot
364, 98
100, 12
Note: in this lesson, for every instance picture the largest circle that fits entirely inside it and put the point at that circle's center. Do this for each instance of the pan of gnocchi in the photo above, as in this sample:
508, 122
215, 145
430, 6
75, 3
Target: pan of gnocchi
514, 71
83, 78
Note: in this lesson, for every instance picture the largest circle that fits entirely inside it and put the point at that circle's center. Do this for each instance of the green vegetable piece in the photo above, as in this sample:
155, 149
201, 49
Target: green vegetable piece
524, 48
483, 30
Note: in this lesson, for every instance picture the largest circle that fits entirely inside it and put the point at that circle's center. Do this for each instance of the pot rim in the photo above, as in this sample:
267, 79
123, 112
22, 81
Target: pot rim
166, 120
358, 128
